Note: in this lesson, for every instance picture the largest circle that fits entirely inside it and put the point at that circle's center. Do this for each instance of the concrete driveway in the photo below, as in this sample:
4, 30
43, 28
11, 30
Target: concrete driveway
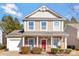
74, 53
9, 53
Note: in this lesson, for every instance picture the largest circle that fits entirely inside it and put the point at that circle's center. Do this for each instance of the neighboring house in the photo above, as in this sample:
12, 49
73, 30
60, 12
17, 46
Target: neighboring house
1, 35
43, 28
3, 40
73, 39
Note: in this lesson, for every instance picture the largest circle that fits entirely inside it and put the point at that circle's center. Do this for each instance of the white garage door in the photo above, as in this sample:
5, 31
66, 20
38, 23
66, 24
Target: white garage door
14, 44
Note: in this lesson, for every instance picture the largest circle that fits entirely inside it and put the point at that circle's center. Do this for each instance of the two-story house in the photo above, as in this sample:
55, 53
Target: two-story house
42, 28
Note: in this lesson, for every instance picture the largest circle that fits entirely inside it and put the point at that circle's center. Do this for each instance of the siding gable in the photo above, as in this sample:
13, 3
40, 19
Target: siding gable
43, 12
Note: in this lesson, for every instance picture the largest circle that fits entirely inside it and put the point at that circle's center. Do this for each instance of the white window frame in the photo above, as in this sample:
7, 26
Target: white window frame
41, 26
33, 41
28, 26
54, 29
58, 42
25, 26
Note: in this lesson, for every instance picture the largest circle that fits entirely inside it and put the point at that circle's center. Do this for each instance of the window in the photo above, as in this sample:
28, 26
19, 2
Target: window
56, 25
31, 42
56, 42
31, 25
43, 25
71, 46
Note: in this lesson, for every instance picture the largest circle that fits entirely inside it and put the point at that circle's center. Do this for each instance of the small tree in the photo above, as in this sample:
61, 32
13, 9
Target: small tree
67, 21
21, 26
73, 20
10, 23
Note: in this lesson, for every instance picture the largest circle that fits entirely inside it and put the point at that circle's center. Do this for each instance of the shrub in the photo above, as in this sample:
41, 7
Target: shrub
36, 50
68, 51
25, 50
77, 49
59, 47
61, 50
2, 46
54, 50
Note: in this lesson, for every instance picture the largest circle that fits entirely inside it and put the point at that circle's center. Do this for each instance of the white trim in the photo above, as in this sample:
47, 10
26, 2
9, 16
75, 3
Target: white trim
46, 26
33, 41
7, 43
28, 26
65, 42
37, 41
41, 43
23, 41
31, 13
62, 26
54, 29
25, 26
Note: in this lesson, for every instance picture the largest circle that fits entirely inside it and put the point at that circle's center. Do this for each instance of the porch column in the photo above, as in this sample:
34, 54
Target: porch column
65, 42
51, 41
23, 41
37, 41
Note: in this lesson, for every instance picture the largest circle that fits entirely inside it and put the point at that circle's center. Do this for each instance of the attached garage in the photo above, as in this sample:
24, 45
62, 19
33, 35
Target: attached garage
14, 44
15, 40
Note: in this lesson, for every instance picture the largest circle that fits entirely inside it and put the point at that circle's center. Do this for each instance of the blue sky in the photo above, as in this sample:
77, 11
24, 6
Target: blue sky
21, 9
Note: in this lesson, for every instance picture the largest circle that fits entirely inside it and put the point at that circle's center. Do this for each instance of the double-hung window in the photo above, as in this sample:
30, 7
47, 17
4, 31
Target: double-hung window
56, 25
43, 25
31, 25
56, 42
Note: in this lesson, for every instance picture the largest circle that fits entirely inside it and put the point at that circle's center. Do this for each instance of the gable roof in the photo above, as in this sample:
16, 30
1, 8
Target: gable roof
75, 25
43, 12
15, 33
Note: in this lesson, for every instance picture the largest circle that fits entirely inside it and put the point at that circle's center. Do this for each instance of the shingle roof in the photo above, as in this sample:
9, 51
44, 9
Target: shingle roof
20, 33
15, 33
42, 33
75, 25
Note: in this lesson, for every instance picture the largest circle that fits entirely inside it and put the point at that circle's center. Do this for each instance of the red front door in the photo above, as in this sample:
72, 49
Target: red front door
44, 44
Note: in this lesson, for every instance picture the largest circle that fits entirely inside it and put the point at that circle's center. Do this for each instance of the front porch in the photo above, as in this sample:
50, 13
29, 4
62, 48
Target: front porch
45, 42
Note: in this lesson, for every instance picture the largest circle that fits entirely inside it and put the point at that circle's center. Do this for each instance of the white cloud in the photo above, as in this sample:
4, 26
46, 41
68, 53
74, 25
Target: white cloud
11, 9
11, 6
76, 8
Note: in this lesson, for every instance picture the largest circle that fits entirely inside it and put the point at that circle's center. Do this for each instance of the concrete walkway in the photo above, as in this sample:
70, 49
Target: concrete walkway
74, 53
